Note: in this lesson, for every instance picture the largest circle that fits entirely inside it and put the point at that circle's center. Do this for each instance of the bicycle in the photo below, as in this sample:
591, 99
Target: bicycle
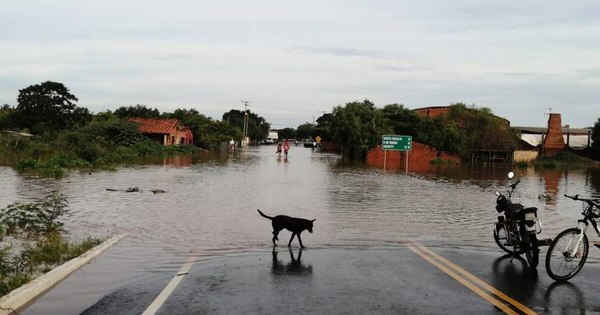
569, 250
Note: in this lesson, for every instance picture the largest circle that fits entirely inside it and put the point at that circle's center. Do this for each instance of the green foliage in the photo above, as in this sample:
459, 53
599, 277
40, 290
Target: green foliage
401, 120
305, 131
258, 128
481, 129
207, 132
521, 164
37, 221
287, 133
596, 135
35, 218
138, 110
357, 127
7, 117
48, 251
561, 160
323, 128
48, 107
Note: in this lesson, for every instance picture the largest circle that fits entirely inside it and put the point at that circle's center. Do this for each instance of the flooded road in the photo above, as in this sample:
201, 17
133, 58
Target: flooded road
209, 205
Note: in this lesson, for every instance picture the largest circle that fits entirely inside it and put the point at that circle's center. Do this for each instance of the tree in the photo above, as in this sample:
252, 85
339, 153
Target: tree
258, 128
137, 111
207, 132
596, 135
6, 117
358, 127
305, 131
403, 121
49, 106
287, 133
323, 126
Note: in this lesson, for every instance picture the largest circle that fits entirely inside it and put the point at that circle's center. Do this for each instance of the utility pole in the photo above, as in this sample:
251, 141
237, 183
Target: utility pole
245, 118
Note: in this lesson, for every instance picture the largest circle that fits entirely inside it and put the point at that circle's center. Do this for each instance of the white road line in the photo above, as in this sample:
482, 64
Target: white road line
20, 298
162, 297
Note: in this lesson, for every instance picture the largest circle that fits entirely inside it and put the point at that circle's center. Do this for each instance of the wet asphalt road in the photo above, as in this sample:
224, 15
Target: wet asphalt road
395, 279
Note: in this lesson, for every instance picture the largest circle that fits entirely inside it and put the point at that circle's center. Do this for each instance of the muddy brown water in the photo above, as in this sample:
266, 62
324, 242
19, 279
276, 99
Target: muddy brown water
210, 201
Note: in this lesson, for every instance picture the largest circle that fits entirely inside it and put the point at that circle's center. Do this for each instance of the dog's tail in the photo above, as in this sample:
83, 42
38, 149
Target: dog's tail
264, 215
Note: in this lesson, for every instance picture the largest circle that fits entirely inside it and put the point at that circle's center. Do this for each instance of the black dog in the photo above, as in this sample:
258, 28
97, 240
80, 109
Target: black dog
294, 225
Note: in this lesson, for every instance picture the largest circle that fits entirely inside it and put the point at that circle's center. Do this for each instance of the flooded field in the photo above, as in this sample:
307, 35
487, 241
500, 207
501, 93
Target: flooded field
209, 204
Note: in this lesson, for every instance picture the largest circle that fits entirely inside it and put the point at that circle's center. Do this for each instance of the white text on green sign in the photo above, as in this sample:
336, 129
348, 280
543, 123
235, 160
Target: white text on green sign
396, 142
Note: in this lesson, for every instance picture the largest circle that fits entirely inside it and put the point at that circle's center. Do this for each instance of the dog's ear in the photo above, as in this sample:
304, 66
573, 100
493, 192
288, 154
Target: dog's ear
314, 220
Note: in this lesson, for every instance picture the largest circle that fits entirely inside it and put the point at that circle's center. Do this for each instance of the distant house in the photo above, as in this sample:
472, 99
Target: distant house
164, 131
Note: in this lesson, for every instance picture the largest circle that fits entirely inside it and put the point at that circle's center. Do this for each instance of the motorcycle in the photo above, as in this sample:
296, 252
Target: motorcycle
517, 228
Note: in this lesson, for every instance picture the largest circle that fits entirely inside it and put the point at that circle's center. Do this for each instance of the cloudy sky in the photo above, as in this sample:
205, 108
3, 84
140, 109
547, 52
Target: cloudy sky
295, 60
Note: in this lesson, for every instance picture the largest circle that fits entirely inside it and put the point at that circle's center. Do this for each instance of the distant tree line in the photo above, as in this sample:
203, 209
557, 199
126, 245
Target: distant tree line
359, 126
49, 110
66, 135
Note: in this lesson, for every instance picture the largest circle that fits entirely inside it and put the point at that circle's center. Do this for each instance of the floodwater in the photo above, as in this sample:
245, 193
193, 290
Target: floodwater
210, 201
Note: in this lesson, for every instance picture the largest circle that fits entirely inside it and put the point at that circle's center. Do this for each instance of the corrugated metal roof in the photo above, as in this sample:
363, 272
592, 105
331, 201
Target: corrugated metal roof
541, 130
156, 125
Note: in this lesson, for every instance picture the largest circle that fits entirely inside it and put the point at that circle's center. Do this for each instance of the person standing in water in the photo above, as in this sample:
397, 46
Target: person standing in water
278, 149
286, 148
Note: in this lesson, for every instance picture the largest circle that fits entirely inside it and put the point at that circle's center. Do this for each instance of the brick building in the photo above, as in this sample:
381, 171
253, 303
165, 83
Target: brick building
164, 131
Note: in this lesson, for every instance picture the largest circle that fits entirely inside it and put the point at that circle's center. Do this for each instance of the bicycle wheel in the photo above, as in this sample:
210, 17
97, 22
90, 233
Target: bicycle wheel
560, 265
501, 238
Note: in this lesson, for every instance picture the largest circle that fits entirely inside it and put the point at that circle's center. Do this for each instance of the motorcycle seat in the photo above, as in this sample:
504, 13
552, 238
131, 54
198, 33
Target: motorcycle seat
521, 211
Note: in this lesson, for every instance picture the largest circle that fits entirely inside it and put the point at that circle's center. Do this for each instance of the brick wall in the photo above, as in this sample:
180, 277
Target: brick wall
432, 111
554, 142
419, 158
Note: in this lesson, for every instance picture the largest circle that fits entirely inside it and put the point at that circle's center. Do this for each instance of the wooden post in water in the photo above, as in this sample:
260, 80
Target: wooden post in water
384, 158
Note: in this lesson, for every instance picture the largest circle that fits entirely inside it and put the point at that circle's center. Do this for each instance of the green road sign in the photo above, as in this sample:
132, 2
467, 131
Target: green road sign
396, 142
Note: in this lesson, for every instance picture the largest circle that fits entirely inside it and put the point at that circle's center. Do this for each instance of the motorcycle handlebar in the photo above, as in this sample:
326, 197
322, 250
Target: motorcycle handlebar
513, 186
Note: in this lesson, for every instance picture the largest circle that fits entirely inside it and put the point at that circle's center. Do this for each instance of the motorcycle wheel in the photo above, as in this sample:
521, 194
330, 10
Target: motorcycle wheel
559, 265
501, 238
530, 246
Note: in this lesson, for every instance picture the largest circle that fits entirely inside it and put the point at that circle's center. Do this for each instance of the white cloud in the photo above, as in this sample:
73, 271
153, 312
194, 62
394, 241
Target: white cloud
296, 59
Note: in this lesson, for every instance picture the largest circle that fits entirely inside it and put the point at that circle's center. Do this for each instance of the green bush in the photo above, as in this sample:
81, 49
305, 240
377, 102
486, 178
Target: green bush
35, 217
561, 160
37, 221
47, 252
521, 164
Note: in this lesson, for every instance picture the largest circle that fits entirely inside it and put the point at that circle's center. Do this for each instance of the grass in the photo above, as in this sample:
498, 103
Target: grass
563, 160
35, 225
38, 258
521, 164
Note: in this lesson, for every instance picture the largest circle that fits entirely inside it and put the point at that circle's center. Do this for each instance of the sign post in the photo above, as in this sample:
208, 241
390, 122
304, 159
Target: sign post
396, 143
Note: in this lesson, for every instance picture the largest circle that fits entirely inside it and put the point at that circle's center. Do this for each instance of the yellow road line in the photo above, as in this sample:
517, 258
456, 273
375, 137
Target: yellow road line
464, 282
480, 282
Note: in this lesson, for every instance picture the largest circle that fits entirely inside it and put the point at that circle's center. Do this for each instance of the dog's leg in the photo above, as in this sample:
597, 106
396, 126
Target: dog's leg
300, 240
293, 234
275, 237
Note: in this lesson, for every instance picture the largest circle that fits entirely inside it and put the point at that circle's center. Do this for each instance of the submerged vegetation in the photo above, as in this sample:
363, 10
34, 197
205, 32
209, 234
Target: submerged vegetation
35, 226
563, 160
50, 134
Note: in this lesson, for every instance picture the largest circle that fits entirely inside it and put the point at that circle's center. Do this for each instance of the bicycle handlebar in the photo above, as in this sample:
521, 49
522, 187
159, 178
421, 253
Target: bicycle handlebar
576, 197
595, 202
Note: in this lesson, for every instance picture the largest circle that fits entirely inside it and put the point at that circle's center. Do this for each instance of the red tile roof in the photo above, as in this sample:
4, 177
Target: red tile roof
156, 125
